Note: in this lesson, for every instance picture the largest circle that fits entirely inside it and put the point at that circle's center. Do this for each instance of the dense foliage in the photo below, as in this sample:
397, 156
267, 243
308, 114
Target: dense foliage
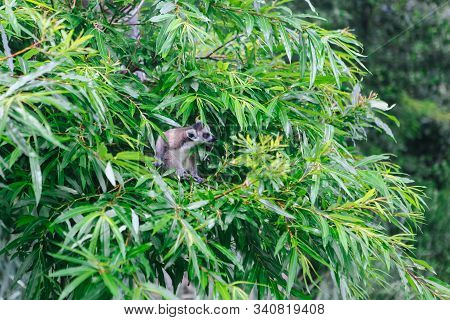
406, 43
287, 201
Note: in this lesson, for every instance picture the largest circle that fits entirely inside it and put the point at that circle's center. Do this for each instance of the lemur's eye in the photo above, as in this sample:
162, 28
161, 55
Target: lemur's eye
190, 135
206, 135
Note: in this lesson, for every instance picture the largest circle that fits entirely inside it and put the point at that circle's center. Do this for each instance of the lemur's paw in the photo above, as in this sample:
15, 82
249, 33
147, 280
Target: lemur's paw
181, 173
197, 179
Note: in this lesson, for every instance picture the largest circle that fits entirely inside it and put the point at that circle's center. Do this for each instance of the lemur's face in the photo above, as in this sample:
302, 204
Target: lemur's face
201, 133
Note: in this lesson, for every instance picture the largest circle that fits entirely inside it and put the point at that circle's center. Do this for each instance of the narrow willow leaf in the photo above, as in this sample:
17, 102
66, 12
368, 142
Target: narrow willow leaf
369, 194
16, 136
29, 77
109, 172
135, 222
381, 105
274, 208
314, 63
194, 260
167, 120
192, 235
9, 61
310, 251
231, 256
162, 17
440, 285
69, 214
222, 290
134, 252
249, 22
325, 230
303, 55
101, 43
106, 237
98, 172
334, 68
68, 289
423, 264
110, 282
167, 7
117, 235
266, 29
281, 242
163, 292
36, 176
70, 271
165, 189
162, 222
371, 159
356, 94
286, 42
315, 188
171, 101
292, 271
20, 114
342, 236
197, 205
384, 126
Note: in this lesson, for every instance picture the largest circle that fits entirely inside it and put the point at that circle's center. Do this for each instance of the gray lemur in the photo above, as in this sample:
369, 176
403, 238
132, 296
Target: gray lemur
176, 152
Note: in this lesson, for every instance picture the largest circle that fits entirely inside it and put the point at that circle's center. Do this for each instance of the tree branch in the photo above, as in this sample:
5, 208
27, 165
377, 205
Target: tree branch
21, 51
209, 55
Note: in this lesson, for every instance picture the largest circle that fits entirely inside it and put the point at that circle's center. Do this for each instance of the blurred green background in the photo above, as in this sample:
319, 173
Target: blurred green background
407, 47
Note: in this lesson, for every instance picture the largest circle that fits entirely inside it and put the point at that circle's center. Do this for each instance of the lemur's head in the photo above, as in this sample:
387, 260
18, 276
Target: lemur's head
200, 133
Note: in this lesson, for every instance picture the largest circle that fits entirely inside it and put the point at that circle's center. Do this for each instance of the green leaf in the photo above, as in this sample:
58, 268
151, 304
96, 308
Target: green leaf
310, 251
71, 213
70, 271
276, 209
110, 282
380, 124
281, 242
266, 29
192, 236
315, 188
100, 43
117, 235
109, 172
292, 271
286, 42
227, 253
197, 205
75, 283
21, 81
36, 176
134, 252
163, 292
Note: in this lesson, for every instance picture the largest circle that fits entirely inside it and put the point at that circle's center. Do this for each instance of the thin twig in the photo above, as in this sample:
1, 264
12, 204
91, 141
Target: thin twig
239, 186
209, 55
21, 51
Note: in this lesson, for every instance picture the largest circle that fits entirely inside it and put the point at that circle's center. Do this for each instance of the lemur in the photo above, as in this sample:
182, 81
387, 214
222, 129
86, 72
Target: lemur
176, 152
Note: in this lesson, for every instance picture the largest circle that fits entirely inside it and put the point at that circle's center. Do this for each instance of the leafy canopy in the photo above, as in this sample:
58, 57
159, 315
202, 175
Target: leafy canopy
287, 201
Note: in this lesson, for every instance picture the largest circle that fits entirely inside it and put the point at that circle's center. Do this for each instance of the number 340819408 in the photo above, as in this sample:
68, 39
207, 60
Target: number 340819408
290, 308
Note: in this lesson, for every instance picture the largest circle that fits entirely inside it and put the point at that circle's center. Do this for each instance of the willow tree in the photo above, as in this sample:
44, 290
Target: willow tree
287, 200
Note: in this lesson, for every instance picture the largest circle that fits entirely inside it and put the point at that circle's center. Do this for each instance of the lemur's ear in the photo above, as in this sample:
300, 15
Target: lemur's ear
192, 134
198, 125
